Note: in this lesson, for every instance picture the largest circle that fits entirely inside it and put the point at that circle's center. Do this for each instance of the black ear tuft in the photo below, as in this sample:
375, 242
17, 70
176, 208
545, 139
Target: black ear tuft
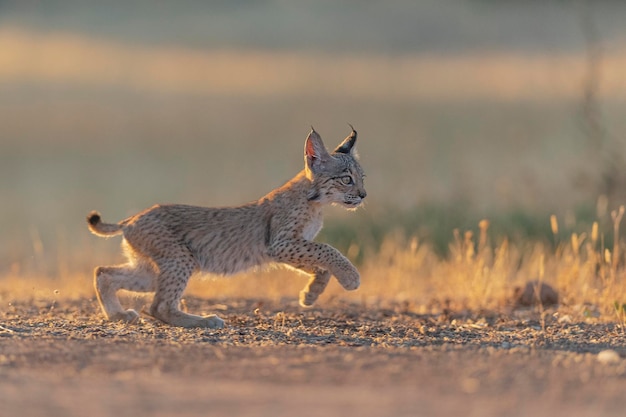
348, 143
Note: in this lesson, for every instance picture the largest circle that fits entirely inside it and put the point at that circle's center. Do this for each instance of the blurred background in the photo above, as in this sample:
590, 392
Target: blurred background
466, 109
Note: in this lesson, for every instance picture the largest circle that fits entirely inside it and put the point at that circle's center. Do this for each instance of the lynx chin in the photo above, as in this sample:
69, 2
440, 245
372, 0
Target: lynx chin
166, 244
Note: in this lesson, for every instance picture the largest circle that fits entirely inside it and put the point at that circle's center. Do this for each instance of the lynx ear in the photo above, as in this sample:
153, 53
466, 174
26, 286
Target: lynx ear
315, 153
348, 143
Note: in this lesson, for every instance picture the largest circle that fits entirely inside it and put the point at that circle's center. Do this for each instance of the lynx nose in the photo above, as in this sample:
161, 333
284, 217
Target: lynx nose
362, 194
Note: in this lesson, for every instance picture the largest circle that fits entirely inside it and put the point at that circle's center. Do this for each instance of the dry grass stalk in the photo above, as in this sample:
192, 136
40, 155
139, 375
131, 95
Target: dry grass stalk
476, 275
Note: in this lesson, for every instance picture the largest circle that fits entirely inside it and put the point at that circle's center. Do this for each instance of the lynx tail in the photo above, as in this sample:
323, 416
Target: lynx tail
97, 227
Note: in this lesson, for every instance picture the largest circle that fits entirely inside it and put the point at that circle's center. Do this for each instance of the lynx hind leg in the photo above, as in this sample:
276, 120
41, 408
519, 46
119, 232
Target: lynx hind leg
316, 286
171, 284
109, 279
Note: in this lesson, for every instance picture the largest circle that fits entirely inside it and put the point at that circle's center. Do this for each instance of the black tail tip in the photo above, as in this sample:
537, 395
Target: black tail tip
93, 218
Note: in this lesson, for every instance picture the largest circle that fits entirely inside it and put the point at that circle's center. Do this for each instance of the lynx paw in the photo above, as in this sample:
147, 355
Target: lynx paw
307, 299
211, 322
350, 280
128, 316
190, 321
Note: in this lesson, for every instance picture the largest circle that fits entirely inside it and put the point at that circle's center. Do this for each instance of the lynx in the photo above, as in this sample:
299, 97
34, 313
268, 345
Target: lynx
166, 244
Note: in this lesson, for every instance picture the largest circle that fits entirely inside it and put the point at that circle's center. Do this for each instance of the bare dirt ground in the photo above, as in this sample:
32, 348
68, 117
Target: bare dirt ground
274, 359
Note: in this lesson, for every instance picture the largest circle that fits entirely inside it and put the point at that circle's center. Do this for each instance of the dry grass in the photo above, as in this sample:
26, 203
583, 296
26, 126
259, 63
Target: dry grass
477, 275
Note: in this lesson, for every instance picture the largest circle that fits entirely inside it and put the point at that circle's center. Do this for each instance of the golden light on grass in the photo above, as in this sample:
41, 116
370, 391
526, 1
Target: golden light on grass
554, 225
616, 216
576, 242
409, 270
594, 233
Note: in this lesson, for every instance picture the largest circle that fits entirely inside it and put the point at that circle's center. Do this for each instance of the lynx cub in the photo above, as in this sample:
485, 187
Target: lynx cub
166, 244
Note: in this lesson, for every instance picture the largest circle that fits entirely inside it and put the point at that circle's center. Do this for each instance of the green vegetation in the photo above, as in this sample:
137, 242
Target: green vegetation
436, 224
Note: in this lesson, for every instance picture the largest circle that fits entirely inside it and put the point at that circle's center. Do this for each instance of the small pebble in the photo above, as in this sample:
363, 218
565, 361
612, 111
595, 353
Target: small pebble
608, 357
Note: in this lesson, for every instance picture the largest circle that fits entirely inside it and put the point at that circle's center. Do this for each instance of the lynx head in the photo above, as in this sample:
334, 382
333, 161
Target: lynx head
337, 177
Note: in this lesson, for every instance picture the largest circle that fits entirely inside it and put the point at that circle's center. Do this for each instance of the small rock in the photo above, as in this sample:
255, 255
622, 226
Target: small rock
608, 357
534, 293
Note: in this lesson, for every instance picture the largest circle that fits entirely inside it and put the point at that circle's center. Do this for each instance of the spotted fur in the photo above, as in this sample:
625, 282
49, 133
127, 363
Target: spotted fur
166, 244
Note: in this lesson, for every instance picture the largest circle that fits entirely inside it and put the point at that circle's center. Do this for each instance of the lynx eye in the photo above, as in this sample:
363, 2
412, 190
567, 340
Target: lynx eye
347, 180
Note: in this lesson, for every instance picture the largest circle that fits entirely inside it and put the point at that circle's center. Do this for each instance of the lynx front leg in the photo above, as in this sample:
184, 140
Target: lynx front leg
306, 255
316, 286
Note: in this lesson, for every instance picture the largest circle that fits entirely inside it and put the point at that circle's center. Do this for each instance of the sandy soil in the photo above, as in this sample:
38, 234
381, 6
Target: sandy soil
275, 359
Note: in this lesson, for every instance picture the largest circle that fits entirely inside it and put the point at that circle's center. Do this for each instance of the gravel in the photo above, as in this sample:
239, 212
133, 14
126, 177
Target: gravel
60, 358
